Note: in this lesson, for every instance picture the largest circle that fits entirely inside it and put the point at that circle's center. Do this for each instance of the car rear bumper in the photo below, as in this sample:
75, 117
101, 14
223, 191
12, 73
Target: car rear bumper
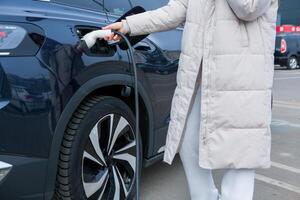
282, 61
24, 177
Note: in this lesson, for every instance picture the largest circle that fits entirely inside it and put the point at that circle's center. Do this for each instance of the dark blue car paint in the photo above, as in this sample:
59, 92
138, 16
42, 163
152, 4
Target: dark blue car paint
38, 95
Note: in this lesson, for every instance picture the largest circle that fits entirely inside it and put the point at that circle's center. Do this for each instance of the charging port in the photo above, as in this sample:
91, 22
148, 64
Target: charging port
101, 48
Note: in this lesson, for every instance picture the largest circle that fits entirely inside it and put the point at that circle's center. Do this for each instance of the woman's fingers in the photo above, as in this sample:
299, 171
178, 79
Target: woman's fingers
118, 26
105, 38
107, 27
111, 36
114, 26
116, 37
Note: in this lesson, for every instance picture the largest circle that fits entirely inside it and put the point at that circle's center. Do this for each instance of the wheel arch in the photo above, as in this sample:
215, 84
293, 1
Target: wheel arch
292, 54
85, 90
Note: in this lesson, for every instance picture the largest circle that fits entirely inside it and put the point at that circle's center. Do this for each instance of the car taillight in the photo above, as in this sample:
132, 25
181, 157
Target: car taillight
11, 37
283, 46
2, 34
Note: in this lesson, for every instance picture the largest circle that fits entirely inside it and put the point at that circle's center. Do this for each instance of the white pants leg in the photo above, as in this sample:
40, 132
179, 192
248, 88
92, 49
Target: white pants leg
200, 181
237, 184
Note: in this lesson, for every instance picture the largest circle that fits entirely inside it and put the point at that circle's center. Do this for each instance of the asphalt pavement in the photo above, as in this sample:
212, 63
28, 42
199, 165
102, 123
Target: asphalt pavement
280, 182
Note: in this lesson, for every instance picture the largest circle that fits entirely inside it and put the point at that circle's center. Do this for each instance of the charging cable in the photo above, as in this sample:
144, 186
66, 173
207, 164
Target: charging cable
137, 135
87, 42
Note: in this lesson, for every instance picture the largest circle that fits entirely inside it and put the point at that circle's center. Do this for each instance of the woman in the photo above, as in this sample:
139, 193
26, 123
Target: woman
221, 108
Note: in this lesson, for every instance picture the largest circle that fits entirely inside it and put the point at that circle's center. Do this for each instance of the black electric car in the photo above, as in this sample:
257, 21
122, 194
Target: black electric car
66, 117
287, 52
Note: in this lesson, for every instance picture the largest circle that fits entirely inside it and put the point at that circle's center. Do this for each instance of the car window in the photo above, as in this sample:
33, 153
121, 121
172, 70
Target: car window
117, 7
96, 5
149, 5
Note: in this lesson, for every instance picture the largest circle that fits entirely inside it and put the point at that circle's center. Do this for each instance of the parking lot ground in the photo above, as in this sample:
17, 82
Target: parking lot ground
280, 182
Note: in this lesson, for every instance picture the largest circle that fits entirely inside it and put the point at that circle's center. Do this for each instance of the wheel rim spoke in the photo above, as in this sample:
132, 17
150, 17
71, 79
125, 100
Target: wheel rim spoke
103, 189
121, 125
293, 63
111, 117
90, 157
126, 148
128, 158
122, 182
94, 137
92, 188
116, 184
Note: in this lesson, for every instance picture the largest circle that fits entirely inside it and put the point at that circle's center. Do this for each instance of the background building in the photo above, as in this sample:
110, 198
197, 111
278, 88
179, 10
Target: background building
289, 12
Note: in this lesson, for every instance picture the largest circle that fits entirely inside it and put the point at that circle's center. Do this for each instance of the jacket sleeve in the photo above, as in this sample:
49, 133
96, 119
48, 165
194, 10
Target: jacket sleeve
161, 19
249, 10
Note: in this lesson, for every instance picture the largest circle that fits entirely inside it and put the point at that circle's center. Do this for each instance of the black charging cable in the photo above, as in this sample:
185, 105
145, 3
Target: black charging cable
137, 133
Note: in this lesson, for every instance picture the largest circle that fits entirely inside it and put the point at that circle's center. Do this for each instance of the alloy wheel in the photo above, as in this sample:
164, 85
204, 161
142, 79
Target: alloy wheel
293, 64
109, 159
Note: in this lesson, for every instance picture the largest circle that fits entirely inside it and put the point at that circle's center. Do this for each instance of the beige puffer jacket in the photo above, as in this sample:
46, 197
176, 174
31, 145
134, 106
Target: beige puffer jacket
235, 41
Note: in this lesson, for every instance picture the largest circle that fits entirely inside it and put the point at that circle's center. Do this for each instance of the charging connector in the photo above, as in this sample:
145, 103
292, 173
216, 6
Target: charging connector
91, 38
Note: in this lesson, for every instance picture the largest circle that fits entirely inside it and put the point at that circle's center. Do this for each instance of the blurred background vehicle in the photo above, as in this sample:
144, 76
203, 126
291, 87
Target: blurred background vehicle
287, 42
287, 52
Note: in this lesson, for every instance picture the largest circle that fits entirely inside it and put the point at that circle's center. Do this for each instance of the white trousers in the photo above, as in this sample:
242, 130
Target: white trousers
237, 184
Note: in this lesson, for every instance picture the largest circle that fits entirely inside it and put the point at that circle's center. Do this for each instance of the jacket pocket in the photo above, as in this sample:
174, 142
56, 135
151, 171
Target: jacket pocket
244, 34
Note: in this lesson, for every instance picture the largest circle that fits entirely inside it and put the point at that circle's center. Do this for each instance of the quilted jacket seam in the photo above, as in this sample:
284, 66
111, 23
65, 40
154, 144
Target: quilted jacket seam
241, 128
234, 54
246, 90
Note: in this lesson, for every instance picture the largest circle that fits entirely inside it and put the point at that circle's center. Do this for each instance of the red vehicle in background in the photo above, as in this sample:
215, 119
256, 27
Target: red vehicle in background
287, 52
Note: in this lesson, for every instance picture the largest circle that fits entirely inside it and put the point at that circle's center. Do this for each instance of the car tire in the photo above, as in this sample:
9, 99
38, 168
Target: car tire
292, 63
104, 170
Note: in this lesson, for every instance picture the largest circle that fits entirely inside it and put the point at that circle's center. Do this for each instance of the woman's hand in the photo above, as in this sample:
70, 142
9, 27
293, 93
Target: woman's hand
118, 26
